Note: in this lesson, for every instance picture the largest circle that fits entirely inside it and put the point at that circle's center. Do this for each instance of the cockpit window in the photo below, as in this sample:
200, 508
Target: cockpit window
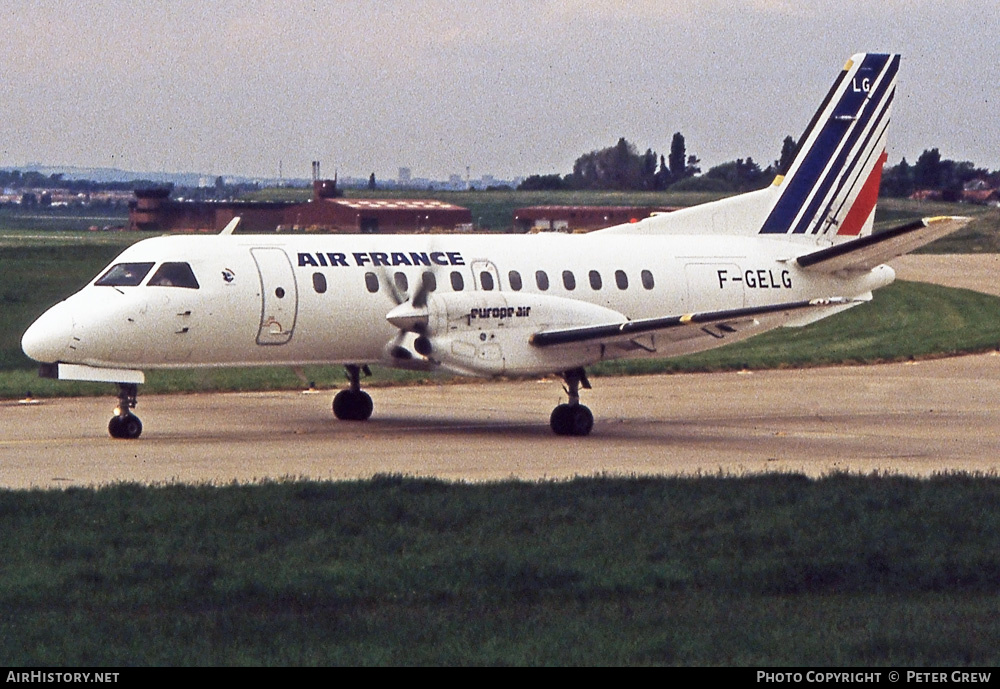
124, 275
174, 275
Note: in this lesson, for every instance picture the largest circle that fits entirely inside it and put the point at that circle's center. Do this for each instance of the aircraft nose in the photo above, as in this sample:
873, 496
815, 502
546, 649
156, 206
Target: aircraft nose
47, 339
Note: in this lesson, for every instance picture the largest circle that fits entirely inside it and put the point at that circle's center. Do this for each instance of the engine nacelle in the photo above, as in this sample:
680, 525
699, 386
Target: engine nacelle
488, 333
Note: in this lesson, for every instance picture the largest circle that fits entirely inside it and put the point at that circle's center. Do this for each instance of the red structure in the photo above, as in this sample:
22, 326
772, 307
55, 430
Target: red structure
153, 209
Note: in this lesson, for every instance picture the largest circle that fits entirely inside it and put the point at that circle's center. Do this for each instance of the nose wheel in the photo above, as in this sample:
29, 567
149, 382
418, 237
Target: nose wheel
573, 418
124, 424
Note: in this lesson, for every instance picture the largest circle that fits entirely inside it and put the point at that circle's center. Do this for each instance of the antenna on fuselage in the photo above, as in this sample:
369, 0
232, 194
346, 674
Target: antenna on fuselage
228, 229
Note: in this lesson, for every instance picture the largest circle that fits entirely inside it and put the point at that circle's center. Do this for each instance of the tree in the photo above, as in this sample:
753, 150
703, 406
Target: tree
543, 183
371, 181
897, 181
788, 147
927, 171
678, 158
692, 168
662, 175
649, 170
740, 174
618, 167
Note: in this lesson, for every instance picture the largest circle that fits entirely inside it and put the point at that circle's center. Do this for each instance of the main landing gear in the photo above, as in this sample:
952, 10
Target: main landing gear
573, 418
353, 404
124, 424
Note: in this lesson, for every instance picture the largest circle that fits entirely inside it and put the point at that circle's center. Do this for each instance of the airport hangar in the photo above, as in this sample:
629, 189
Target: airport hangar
153, 209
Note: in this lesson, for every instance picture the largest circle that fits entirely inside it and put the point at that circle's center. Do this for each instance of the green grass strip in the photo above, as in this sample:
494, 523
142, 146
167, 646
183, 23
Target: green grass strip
755, 570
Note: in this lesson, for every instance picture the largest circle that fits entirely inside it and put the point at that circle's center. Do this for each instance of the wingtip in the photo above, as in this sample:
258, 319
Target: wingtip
946, 224
963, 219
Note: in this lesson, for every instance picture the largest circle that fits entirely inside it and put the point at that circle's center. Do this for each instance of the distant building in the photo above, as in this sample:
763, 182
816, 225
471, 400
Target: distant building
580, 218
153, 209
982, 197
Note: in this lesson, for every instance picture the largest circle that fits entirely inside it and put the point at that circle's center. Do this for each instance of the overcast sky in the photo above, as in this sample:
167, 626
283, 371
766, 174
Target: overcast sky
504, 88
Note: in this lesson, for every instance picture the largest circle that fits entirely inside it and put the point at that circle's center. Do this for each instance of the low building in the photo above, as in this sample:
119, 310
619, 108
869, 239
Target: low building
153, 209
580, 218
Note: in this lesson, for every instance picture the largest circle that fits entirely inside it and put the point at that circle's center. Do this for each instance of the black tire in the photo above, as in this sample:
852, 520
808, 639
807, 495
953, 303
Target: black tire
127, 427
571, 420
350, 405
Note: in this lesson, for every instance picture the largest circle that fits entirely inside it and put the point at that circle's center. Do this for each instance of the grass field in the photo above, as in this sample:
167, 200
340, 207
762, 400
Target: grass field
764, 570
63, 219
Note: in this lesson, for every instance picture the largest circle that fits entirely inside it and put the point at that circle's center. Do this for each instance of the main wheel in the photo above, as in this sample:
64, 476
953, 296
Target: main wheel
574, 419
352, 405
127, 427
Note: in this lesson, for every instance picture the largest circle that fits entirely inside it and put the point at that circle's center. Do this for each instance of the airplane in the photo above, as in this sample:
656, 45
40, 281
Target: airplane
493, 305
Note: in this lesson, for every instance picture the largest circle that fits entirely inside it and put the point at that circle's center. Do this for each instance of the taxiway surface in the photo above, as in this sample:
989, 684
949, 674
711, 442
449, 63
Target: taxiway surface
921, 418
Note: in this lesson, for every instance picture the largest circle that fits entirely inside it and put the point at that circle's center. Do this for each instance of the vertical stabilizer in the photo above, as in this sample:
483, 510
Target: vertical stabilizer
831, 188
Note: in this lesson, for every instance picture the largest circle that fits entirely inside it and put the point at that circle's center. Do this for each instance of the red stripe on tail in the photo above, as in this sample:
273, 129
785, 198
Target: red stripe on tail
865, 203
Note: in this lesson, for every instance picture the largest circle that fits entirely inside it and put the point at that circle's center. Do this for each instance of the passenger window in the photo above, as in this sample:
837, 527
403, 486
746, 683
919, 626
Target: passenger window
514, 278
174, 275
124, 275
319, 283
430, 282
542, 280
371, 282
647, 279
457, 283
569, 280
486, 280
621, 279
595, 280
402, 284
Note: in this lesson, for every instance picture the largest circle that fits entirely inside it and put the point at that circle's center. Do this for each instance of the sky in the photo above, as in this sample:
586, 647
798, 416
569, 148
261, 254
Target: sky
506, 88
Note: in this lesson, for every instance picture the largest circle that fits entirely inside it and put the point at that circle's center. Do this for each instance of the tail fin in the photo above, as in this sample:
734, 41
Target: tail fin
832, 186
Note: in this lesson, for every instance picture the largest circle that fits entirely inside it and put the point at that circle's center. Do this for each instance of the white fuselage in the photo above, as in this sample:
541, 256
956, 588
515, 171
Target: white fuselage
311, 299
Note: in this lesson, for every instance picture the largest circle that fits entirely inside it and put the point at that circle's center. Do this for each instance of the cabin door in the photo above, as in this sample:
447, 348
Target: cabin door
279, 296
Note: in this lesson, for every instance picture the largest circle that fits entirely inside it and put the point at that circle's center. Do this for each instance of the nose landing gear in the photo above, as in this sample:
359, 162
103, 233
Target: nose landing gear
573, 418
124, 424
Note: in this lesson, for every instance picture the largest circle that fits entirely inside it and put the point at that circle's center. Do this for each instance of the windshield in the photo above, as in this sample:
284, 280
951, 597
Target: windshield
124, 275
174, 275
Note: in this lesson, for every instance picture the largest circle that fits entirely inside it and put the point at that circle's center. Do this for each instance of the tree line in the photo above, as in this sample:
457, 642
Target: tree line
622, 168
15, 179
931, 172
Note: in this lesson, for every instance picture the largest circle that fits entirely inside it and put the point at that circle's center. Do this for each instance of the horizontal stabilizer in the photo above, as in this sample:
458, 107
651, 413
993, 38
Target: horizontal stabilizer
231, 226
865, 253
730, 320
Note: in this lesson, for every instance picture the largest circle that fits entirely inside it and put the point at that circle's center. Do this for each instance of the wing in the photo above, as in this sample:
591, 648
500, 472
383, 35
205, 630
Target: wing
865, 253
671, 329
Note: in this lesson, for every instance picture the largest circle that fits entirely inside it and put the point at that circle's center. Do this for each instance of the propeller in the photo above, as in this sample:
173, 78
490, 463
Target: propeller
410, 314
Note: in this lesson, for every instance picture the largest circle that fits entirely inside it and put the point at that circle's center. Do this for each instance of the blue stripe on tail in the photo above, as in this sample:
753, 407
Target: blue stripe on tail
835, 154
